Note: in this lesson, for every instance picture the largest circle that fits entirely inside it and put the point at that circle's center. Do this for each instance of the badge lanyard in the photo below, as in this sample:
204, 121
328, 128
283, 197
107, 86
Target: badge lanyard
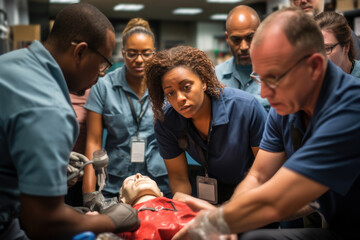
206, 186
137, 144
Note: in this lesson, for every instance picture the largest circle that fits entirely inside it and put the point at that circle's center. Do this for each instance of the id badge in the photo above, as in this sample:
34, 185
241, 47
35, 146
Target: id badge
138, 150
207, 189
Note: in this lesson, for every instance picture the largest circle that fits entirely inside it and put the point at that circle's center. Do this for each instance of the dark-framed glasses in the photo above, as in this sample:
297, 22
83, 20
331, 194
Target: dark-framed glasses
132, 55
104, 65
328, 49
273, 82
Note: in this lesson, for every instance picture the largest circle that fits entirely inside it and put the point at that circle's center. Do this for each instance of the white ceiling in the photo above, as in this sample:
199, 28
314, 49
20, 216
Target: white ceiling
159, 9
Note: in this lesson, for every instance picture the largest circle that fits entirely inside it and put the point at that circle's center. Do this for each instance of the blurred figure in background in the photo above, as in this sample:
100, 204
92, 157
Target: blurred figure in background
338, 41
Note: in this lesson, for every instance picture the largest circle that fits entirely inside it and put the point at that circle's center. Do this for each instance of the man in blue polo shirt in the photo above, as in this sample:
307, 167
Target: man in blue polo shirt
241, 25
309, 155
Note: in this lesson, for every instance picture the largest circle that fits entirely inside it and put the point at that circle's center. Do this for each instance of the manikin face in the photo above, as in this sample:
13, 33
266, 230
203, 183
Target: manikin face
239, 33
184, 90
312, 7
339, 54
137, 186
135, 44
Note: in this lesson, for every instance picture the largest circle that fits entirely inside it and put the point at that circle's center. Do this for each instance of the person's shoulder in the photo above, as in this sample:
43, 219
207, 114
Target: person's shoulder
225, 67
235, 94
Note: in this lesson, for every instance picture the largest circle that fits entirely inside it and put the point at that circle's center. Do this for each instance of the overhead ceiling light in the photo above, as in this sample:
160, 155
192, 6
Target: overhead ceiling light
224, 1
187, 11
218, 17
65, 1
129, 7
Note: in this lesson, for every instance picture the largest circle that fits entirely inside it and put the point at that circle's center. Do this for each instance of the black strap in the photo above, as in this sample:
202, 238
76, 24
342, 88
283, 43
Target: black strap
204, 160
160, 209
137, 120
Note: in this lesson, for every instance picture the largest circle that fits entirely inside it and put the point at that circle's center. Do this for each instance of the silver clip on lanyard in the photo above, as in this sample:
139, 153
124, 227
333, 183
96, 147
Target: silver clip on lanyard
142, 113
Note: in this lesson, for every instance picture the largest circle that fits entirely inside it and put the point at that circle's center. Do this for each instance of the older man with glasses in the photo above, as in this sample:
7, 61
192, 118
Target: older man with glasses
309, 155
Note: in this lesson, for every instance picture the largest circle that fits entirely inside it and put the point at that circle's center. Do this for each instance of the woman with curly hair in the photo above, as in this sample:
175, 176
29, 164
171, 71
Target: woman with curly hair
218, 127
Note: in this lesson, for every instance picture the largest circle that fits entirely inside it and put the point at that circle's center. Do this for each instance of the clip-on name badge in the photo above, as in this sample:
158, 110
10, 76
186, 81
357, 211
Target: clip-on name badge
138, 150
207, 189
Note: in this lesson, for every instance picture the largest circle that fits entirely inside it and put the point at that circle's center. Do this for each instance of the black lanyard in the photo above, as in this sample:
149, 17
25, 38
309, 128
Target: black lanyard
137, 120
204, 160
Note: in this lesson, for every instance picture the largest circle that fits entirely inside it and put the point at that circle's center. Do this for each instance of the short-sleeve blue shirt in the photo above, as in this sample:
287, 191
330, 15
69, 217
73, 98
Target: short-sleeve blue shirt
235, 76
238, 121
330, 152
38, 127
108, 98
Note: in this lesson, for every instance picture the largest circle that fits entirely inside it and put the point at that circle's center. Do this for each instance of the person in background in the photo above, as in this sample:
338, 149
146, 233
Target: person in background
120, 103
338, 42
38, 127
315, 7
309, 155
218, 127
241, 24
74, 196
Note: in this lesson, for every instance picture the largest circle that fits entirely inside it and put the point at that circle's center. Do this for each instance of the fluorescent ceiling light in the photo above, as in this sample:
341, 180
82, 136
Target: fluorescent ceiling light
128, 7
224, 1
187, 11
218, 17
65, 1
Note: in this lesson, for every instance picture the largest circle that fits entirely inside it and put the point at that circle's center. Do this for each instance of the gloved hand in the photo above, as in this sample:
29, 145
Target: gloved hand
123, 216
76, 161
210, 224
95, 201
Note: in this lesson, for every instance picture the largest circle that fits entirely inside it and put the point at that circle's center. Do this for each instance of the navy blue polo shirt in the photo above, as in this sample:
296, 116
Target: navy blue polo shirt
330, 152
238, 121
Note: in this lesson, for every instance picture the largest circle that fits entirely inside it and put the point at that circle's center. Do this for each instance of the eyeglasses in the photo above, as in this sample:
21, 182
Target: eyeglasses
273, 82
134, 55
104, 65
329, 49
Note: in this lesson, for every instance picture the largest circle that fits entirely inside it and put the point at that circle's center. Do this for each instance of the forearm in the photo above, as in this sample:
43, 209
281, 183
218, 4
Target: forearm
250, 182
304, 211
89, 178
60, 222
179, 185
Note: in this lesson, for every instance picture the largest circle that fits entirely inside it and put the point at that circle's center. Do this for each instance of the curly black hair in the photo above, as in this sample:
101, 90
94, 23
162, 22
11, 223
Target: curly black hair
166, 60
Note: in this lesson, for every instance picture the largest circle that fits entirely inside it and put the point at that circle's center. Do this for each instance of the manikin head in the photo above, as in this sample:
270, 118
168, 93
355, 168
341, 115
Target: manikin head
136, 187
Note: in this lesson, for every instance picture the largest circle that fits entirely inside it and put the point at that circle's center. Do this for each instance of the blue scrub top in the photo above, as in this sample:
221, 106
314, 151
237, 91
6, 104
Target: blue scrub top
238, 77
330, 152
108, 98
38, 127
238, 121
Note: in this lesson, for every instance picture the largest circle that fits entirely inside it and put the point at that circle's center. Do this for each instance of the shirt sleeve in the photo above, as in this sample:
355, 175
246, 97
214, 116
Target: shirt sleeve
97, 96
272, 137
167, 140
257, 123
331, 155
40, 141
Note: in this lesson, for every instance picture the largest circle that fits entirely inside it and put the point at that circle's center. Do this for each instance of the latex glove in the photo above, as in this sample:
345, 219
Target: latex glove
95, 201
123, 216
76, 161
209, 224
